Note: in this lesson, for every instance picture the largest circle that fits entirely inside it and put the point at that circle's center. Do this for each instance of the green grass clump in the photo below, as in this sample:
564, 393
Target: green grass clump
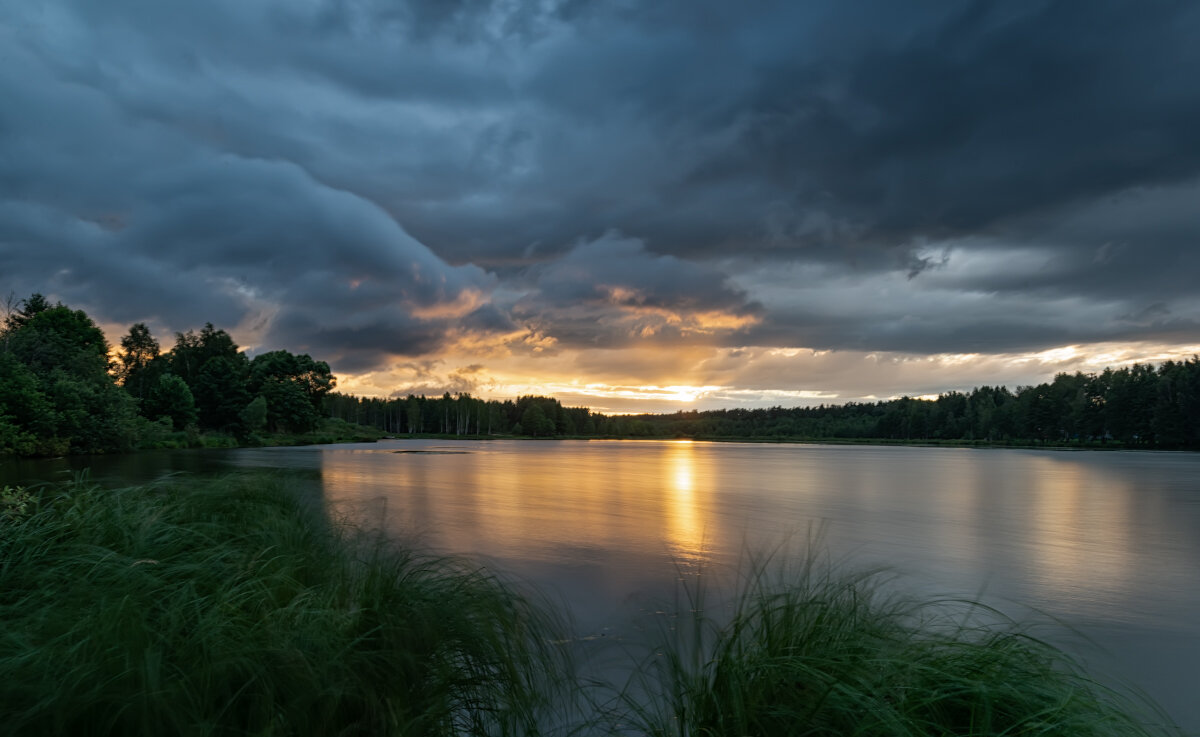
229, 607
811, 652
14, 503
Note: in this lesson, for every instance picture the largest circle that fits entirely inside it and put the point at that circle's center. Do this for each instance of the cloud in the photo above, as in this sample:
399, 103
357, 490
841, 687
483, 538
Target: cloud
985, 299
612, 292
372, 181
747, 130
142, 223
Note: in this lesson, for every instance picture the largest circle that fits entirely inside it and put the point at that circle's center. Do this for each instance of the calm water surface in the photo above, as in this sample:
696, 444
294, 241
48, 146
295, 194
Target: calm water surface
1108, 543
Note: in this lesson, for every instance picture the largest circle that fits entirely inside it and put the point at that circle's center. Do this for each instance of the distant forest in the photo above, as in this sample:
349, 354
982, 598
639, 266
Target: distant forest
62, 391
1135, 407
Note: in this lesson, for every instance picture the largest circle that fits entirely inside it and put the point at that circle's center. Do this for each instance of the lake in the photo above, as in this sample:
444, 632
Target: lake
1107, 543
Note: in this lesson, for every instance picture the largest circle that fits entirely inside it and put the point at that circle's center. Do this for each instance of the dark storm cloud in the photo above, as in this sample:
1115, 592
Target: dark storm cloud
618, 271
136, 220
359, 345
1143, 242
612, 292
928, 121
359, 178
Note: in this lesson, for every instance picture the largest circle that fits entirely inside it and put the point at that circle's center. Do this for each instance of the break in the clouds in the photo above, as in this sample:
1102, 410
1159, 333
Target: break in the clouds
551, 191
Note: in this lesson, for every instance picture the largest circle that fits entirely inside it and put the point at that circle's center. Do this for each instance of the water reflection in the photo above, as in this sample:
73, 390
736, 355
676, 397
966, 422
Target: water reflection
1080, 529
685, 523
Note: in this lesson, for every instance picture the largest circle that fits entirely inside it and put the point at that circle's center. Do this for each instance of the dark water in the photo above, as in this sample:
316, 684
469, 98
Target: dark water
1107, 543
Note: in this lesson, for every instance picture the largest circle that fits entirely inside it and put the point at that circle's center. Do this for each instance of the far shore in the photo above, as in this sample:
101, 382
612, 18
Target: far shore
217, 441
785, 440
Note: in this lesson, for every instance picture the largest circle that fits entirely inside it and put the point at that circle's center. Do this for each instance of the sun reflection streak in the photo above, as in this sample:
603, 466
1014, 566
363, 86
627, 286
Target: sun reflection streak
1081, 531
685, 521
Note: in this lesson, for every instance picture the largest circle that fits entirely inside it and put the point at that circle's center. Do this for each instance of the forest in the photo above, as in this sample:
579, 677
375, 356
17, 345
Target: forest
1138, 406
63, 391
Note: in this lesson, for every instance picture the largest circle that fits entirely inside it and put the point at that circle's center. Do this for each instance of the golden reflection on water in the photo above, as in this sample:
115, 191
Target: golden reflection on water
685, 521
1061, 527
504, 503
1080, 527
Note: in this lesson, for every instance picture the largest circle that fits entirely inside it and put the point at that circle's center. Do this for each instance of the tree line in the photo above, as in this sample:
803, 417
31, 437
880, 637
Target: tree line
461, 414
61, 390
1138, 406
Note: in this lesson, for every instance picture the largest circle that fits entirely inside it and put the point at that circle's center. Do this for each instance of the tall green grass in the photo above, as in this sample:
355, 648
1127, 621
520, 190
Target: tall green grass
228, 608
232, 607
804, 648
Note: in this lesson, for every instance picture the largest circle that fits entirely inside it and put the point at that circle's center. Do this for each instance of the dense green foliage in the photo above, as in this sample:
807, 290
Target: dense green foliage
235, 607
811, 651
231, 608
61, 391
56, 395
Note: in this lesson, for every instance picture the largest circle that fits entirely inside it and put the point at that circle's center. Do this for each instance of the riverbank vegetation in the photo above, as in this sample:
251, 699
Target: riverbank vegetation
814, 650
228, 607
236, 606
62, 391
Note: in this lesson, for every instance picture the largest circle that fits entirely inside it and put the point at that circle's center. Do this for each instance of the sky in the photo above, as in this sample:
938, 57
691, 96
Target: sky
631, 206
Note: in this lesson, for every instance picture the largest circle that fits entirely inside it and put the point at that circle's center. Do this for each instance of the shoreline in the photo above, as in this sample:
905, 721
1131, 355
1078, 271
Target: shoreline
783, 440
365, 434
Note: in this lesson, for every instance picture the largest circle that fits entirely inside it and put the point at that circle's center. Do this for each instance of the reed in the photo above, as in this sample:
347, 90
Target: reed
229, 607
806, 648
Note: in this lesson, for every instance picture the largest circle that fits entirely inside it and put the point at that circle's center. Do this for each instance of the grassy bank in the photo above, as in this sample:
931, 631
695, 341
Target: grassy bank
228, 608
232, 607
810, 651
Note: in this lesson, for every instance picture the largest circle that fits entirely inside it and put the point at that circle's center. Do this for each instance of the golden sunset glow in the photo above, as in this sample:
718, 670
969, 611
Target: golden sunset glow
706, 322
466, 301
704, 378
685, 520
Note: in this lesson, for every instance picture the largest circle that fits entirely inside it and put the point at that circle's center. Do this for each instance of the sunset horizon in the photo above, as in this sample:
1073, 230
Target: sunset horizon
696, 206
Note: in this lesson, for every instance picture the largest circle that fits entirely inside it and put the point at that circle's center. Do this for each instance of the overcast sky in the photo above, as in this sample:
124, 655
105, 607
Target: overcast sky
630, 205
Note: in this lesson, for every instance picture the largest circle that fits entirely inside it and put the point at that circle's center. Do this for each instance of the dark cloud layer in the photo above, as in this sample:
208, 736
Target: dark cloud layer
611, 293
371, 179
